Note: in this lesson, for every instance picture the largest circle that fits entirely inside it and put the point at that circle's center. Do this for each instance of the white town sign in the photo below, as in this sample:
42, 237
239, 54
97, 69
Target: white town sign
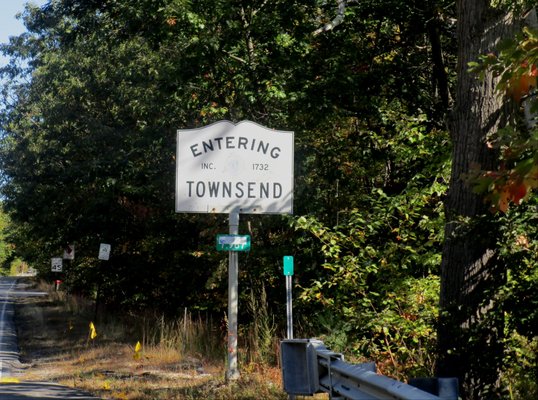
224, 167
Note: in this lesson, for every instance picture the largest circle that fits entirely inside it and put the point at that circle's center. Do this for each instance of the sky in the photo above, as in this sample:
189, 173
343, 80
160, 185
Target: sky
9, 25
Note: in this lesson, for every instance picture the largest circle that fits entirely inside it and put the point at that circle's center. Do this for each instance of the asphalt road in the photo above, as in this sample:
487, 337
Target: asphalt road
10, 387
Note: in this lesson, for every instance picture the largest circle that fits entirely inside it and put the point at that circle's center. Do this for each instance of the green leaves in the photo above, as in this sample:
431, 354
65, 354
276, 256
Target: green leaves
380, 276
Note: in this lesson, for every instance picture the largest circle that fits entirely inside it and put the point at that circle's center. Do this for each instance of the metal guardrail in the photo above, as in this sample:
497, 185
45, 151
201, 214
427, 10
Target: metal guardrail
308, 367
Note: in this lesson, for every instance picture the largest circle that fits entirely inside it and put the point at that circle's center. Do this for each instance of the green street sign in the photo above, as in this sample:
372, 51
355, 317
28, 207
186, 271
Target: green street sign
288, 265
233, 242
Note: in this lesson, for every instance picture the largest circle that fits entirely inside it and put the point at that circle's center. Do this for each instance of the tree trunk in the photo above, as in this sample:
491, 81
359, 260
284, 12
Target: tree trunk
470, 329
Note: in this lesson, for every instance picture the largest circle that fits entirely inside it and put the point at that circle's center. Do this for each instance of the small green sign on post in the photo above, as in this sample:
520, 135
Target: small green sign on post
288, 273
233, 242
288, 265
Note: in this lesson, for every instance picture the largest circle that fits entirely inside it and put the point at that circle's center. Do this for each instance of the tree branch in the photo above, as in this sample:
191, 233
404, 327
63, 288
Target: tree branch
342, 5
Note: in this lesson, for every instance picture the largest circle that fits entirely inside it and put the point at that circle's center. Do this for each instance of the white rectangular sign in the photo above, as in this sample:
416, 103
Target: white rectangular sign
225, 167
232, 239
104, 251
56, 264
69, 252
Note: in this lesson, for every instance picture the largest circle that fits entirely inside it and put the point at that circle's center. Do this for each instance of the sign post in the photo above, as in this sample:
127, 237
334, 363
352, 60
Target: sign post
68, 256
233, 301
234, 169
288, 273
104, 255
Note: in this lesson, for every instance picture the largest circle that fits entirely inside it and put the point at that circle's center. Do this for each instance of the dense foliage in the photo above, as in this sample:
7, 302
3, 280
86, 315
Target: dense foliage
93, 97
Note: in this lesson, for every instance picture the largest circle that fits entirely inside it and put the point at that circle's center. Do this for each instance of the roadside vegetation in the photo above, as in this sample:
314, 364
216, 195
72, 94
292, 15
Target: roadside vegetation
134, 356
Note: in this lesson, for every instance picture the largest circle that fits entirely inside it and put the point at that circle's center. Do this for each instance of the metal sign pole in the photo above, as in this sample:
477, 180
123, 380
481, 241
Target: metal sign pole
213, 159
289, 308
233, 297
288, 273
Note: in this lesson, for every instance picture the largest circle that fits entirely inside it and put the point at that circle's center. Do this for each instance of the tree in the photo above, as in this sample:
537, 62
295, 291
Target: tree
88, 153
471, 324
470, 335
6, 249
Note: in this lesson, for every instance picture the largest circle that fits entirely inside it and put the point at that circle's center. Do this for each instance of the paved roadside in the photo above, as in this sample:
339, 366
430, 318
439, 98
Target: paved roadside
40, 390
10, 366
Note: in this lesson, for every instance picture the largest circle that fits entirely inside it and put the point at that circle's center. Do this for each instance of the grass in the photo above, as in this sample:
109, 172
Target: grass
181, 359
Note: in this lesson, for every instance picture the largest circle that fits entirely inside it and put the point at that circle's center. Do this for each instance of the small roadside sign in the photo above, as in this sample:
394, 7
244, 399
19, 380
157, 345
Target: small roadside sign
104, 251
56, 264
233, 242
288, 265
288, 273
69, 252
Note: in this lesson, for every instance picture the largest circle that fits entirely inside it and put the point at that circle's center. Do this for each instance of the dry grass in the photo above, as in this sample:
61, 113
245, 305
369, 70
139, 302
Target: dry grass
55, 346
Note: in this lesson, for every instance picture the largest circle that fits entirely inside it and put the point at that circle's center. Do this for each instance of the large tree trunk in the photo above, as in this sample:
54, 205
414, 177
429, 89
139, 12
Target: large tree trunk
470, 329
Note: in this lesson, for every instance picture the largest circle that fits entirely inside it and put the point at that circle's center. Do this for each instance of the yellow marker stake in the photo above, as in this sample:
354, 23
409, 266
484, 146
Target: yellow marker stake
138, 349
93, 332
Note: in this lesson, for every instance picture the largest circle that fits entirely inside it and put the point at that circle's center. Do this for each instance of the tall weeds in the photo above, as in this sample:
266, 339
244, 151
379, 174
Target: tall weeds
188, 335
260, 336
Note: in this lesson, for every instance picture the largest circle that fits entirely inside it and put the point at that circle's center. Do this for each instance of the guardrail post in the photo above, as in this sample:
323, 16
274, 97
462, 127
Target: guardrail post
300, 366
445, 388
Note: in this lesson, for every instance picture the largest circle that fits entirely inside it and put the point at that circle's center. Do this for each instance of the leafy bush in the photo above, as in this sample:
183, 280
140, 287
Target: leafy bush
379, 286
